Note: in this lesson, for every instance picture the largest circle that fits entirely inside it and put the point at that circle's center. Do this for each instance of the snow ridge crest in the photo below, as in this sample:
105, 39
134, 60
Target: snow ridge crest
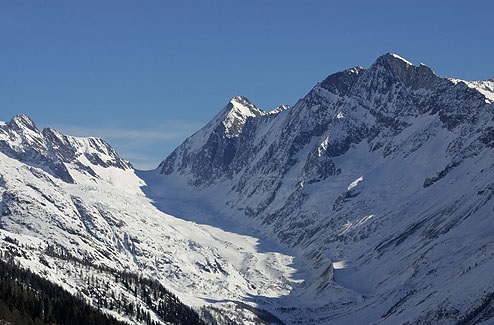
49, 149
236, 114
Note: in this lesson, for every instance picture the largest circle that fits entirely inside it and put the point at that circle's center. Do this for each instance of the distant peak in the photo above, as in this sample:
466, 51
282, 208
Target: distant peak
240, 105
241, 100
22, 121
234, 115
403, 70
22, 117
392, 57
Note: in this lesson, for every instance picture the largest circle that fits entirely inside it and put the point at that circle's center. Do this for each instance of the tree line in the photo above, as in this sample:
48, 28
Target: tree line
26, 298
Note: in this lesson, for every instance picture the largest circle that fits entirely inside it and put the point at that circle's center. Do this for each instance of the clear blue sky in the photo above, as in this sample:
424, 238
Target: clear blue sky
145, 74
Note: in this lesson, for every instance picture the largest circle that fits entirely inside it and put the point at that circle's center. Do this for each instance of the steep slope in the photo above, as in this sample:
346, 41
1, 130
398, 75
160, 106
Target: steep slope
26, 298
73, 211
381, 178
378, 183
20, 139
211, 152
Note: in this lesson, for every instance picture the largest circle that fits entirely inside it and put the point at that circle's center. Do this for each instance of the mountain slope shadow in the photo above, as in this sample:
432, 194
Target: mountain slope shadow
172, 198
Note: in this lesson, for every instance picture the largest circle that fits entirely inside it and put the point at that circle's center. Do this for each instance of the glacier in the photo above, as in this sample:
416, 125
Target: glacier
368, 201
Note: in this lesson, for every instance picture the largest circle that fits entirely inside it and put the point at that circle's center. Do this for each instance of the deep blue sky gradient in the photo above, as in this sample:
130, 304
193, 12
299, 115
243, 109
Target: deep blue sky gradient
145, 74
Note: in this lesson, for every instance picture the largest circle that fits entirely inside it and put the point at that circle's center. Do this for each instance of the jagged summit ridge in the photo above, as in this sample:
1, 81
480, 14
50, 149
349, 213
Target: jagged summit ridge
22, 121
216, 144
485, 87
392, 57
51, 150
379, 183
244, 102
393, 66
357, 103
237, 112
378, 167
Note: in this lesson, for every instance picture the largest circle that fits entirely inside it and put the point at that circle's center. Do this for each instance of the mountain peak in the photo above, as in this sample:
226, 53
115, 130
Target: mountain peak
392, 62
241, 100
22, 121
395, 67
392, 57
327, 179
243, 106
235, 114
49, 149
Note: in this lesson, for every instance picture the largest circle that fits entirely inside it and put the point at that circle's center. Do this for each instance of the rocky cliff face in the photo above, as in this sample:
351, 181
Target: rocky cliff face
372, 108
379, 185
386, 168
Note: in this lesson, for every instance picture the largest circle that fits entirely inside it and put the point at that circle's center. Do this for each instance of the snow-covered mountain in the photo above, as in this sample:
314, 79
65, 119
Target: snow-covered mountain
20, 139
74, 212
381, 178
367, 202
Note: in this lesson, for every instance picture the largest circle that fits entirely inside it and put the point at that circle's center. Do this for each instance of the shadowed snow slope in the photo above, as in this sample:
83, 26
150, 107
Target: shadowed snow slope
94, 221
368, 201
385, 171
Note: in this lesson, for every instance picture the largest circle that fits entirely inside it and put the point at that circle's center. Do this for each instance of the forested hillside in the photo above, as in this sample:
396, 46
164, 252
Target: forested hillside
26, 298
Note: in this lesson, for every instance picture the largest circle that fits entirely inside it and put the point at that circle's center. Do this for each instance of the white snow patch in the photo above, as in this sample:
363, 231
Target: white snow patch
355, 183
339, 265
485, 87
399, 57
323, 147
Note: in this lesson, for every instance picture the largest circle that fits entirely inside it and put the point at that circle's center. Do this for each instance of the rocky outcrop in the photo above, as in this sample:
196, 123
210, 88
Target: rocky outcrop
379, 167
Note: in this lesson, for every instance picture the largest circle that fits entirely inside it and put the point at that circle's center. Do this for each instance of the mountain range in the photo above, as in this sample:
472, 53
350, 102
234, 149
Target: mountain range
369, 201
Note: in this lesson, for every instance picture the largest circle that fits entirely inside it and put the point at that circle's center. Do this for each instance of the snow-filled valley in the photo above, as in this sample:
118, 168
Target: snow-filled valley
108, 222
370, 201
